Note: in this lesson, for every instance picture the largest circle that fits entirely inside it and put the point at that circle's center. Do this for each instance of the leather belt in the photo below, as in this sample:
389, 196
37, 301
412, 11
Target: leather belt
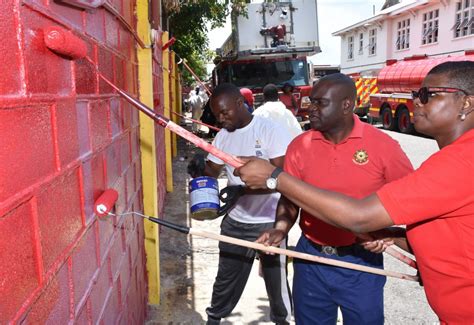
334, 250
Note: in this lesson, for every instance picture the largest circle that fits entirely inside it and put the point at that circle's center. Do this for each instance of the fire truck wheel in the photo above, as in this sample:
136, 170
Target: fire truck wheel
404, 123
388, 121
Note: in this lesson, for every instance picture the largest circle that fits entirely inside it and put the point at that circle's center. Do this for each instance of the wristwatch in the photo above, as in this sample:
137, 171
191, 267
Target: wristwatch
272, 180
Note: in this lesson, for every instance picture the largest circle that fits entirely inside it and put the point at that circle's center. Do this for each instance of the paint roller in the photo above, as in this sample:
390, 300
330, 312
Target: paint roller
106, 202
168, 44
65, 43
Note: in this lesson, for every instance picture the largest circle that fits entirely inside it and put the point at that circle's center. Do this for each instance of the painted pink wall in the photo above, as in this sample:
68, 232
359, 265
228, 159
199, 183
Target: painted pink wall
447, 44
386, 27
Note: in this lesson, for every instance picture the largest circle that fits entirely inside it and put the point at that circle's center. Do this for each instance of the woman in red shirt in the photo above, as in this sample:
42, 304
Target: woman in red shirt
436, 202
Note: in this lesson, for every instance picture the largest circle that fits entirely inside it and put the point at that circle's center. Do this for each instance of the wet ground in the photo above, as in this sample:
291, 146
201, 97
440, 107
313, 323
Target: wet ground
188, 265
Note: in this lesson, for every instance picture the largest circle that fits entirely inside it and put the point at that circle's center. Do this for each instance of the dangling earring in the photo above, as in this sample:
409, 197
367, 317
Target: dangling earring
463, 116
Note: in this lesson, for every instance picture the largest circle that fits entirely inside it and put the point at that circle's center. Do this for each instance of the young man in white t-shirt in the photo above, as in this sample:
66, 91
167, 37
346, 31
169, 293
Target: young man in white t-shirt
276, 111
248, 212
196, 101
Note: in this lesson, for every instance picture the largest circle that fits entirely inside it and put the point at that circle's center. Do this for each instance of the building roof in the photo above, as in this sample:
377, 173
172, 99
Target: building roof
389, 3
394, 10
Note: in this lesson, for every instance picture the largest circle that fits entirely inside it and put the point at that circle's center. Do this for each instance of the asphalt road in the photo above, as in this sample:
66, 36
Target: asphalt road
189, 264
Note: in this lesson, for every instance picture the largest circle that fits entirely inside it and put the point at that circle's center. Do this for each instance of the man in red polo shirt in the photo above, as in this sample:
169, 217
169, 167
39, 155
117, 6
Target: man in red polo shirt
340, 154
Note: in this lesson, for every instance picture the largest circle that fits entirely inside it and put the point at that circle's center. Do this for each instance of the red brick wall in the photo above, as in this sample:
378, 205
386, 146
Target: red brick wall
65, 137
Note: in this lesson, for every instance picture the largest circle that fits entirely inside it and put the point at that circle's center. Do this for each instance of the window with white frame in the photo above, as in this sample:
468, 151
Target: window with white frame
361, 42
372, 41
464, 24
430, 27
350, 47
403, 34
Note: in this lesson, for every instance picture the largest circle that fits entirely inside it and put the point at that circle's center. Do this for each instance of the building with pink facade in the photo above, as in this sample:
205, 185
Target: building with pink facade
435, 28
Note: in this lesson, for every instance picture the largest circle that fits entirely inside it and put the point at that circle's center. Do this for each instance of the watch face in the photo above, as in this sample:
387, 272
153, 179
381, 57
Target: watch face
272, 183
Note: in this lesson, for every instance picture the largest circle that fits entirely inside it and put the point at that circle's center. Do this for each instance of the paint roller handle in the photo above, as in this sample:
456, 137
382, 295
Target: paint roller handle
277, 250
183, 229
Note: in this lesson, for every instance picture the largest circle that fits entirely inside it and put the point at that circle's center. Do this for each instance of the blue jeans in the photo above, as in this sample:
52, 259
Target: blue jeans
319, 289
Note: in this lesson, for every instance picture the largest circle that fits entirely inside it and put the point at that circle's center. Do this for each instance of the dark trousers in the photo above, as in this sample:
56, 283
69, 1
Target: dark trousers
235, 264
319, 289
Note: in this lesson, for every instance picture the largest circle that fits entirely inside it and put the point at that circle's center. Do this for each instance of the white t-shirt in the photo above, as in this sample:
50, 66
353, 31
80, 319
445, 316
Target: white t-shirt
261, 138
196, 101
277, 112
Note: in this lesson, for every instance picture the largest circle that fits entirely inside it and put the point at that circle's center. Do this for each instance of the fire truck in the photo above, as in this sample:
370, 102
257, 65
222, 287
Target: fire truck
270, 43
365, 85
392, 102
321, 70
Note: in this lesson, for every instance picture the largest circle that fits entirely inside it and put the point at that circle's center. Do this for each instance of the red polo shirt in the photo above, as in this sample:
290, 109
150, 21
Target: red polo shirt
357, 166
437, 204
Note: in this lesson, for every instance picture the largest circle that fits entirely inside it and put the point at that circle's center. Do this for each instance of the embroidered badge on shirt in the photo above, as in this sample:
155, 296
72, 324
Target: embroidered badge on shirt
360, 157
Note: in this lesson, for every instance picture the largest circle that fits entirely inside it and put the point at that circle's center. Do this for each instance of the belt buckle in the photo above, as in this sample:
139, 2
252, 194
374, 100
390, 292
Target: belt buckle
329, 250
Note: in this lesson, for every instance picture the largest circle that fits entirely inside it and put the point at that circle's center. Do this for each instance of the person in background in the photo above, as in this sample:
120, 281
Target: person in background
247, 212
339, 153
276, 111
289, 99
436, 202
209, 118
248, 96
196, 100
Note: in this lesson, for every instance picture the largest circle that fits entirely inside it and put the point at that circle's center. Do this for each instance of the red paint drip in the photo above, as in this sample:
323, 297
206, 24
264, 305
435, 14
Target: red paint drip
64, 42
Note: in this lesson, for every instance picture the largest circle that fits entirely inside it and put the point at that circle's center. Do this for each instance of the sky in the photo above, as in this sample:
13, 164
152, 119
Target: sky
333, 16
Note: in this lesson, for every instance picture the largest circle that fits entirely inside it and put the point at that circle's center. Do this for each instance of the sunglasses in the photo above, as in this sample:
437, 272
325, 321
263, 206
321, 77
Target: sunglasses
424, 93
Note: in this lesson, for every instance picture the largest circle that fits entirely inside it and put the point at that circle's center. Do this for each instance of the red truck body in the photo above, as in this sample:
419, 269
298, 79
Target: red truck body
393, 104
270, 43
256, 73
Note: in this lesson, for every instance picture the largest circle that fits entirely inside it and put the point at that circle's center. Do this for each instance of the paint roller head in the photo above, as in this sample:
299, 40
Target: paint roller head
168, 44
105, 203
64, 43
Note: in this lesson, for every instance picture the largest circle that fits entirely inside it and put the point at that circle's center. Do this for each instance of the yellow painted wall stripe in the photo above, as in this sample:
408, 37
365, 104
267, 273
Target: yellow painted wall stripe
174, 95
148, 154
167, 109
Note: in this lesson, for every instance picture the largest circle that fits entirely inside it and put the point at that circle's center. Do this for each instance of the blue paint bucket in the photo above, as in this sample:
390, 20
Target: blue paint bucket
204, 197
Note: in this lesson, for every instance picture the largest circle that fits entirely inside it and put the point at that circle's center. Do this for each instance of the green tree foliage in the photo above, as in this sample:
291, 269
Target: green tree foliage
188, 22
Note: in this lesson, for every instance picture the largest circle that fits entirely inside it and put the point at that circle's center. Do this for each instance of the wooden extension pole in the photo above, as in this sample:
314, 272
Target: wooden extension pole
303, 256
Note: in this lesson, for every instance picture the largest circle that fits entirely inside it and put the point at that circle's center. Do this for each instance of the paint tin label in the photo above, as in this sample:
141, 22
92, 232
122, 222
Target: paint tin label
204, 197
